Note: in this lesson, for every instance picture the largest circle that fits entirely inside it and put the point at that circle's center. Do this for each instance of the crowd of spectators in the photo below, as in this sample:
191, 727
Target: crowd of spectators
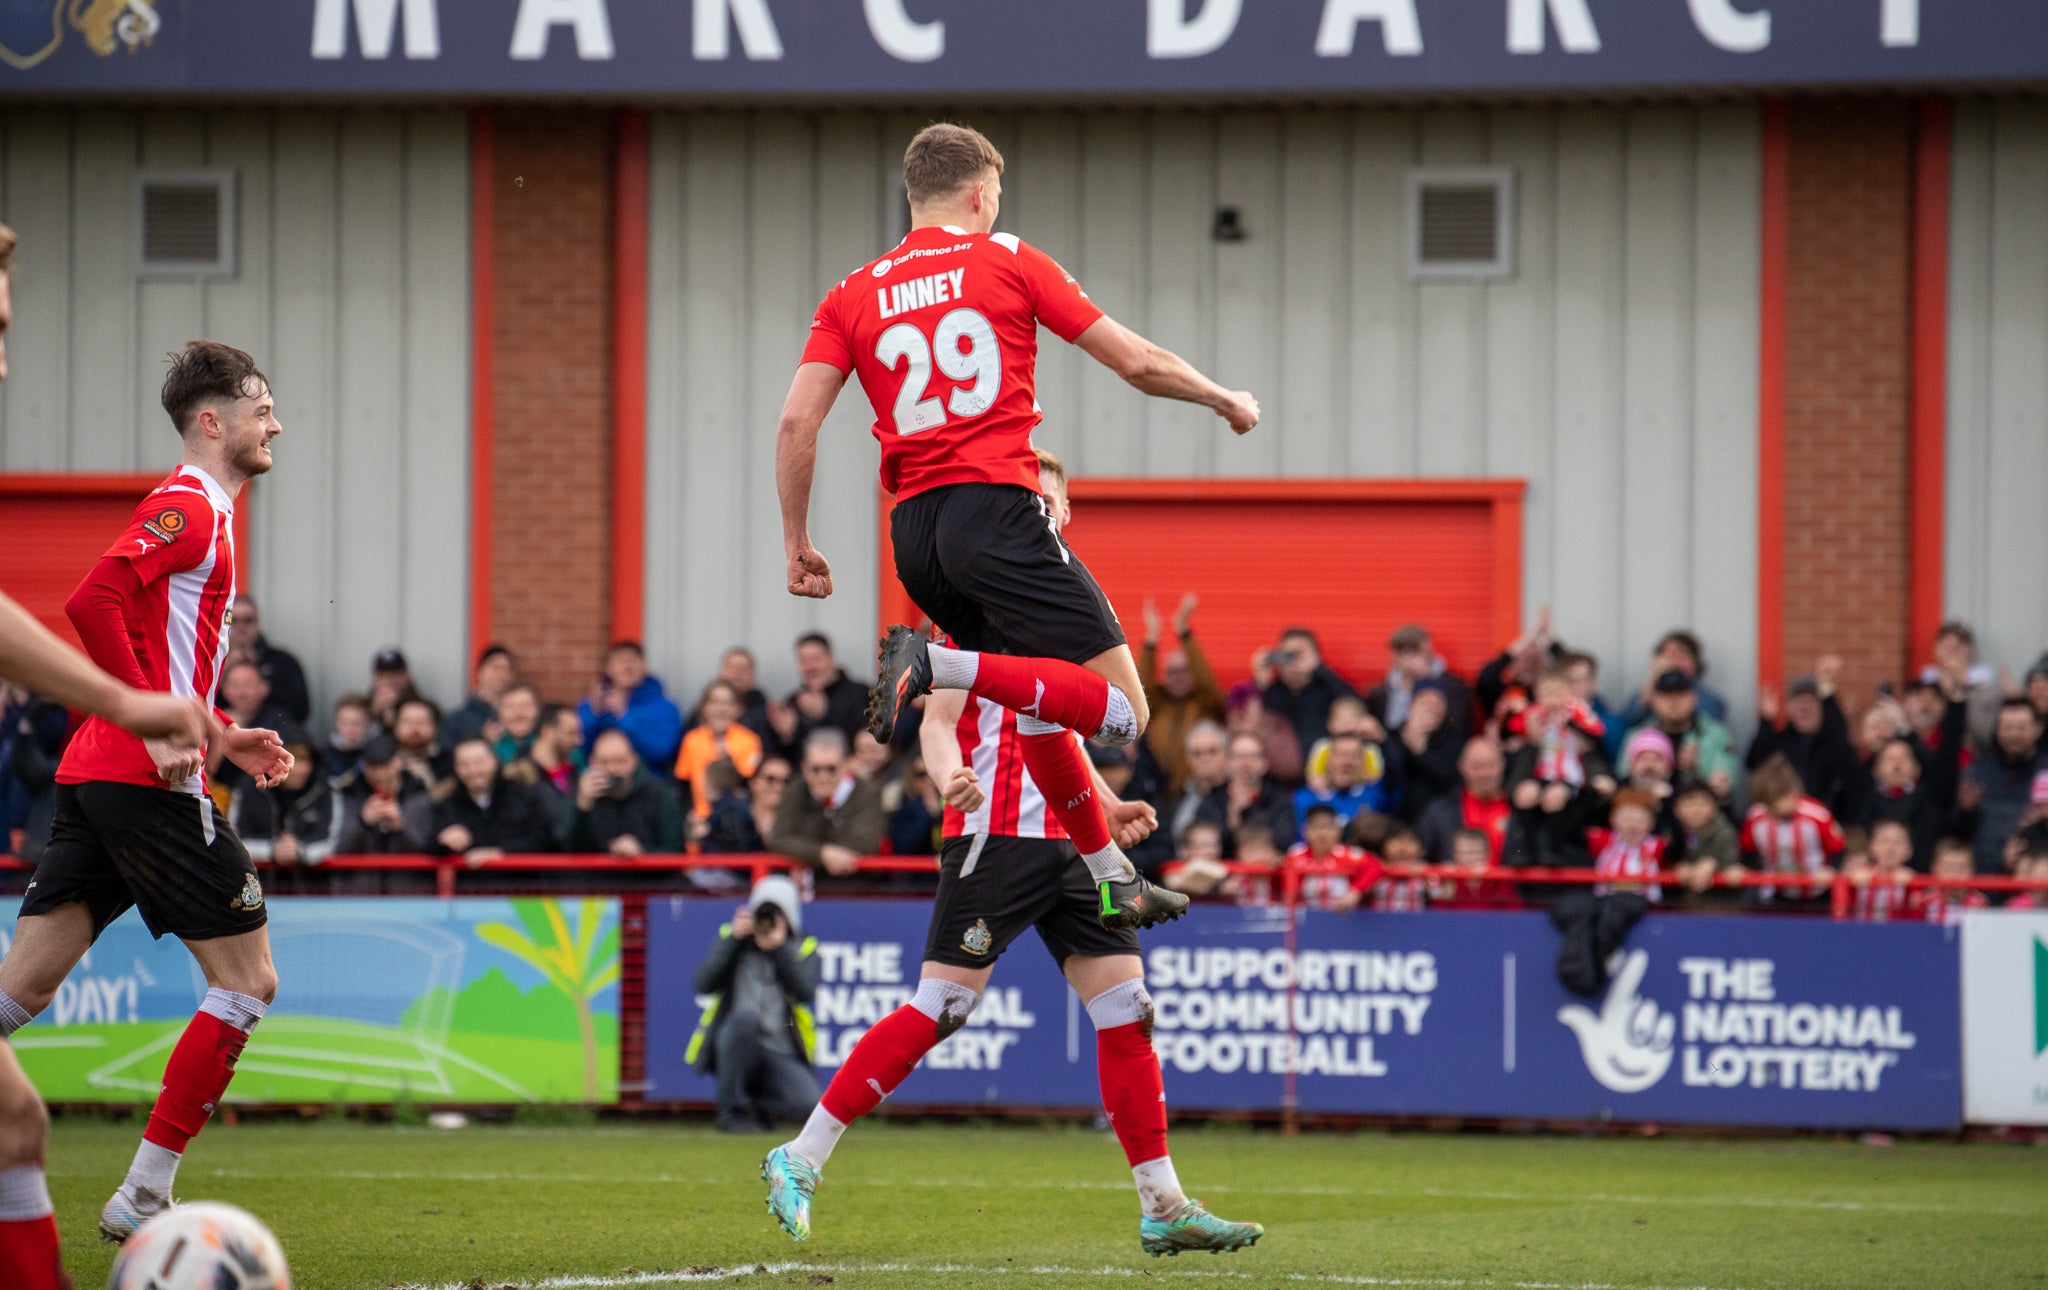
1525, 764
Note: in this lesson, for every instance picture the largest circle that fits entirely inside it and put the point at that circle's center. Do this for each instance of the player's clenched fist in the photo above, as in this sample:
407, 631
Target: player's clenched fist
175, 762
809, 575
963, 790
1242, 411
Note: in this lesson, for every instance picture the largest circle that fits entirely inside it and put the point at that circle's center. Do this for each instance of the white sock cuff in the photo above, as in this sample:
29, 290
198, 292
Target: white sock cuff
24, 1194
953, 669
936, 999
12, 1015
1119, 721
1031, 727
1125, 1004
238, 1010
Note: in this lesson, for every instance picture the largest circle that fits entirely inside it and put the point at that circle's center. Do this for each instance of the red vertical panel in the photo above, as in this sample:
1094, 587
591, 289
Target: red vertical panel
892, 603
1770, 417
1269, 554
629, 379
482, 161
54, 528
1934, 139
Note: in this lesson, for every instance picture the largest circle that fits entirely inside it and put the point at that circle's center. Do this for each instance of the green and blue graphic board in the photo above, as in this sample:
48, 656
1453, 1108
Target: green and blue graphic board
379, 1000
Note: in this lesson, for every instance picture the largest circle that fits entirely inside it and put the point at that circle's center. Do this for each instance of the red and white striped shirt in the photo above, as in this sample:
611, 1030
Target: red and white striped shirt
1325, 878
182, 546
1618, 859
1882, 899
1011, 805
1803, 843
1946, 904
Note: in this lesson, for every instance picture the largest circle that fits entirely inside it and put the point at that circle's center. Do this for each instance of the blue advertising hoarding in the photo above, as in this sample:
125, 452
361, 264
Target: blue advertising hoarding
1738, 1021
1048, 49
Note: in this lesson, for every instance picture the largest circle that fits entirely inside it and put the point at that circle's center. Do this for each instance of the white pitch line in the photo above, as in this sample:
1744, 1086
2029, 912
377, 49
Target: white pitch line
702, 1275
954, 1184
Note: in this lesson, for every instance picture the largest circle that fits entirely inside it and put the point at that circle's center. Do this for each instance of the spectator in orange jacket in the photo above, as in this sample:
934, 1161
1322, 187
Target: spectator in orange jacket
1180, 689
719, 737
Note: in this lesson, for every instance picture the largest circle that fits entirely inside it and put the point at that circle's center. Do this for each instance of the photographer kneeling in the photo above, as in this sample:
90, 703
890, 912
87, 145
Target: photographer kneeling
756, 1032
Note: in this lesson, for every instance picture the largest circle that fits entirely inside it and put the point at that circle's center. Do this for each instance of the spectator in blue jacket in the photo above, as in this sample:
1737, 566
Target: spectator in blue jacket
629, 700
1354, 782
1678, 651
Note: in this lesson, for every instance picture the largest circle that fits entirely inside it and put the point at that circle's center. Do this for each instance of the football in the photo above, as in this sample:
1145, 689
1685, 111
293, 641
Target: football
205, 1246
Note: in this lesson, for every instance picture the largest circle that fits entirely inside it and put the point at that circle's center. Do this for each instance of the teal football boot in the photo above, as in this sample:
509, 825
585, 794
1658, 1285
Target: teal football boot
1191, 1227
791, 1180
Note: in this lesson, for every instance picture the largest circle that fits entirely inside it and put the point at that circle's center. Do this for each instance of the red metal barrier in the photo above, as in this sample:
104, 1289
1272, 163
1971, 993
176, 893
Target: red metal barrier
447, 869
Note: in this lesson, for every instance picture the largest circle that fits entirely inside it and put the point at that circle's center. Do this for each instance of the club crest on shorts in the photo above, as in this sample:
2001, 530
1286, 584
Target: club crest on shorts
978, 938
251, 896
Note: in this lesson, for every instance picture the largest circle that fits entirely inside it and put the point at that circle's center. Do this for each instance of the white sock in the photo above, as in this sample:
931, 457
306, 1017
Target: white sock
155, 1168
820, 1134
953, 669
24, 1194
1159, 1192
12, 1015
1109, 865
239, 1010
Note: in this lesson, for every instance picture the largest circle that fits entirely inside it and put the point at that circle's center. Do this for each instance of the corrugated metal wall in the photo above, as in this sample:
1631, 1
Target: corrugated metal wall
1998, 378
353, 293
1616, 371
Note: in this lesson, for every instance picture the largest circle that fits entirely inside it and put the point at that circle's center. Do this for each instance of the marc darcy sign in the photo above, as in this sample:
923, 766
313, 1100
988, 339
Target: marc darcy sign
909, 49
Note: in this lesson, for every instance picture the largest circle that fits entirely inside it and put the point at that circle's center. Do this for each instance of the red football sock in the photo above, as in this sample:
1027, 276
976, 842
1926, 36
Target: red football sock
882, 1059
1054, 691
194, 1079
1133, 1091
28, 1255
1060, 769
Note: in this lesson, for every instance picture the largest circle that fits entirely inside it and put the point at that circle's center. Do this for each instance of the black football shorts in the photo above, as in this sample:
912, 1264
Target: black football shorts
992, 888
985, 562
168, 853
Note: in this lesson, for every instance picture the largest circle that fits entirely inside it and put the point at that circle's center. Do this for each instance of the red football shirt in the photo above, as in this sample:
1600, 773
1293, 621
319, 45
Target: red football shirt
181, 543
943, 334
1012, 805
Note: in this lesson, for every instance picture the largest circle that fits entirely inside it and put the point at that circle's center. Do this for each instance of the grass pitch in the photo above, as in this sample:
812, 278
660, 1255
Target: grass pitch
370, 1207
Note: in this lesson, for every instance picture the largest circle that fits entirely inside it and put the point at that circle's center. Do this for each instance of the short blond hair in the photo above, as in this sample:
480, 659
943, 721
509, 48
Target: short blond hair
1050, 466
944, 158
7, 244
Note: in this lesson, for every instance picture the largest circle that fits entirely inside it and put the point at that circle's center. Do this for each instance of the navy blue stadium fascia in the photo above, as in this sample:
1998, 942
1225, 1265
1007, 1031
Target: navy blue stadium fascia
906, 50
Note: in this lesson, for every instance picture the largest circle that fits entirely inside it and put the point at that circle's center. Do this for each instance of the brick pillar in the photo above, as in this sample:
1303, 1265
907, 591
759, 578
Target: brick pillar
552, 231
1848, 360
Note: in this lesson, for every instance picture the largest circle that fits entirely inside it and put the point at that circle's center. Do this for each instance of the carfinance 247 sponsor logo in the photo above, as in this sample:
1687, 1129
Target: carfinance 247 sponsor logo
1733, 1030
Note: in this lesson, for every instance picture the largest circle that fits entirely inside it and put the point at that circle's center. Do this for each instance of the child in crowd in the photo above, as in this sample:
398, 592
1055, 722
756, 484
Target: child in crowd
1881, 875
1331, 875
1704, 844
1628, 850
1648, 760
1399, 885
1560, 772
1788, 832
1260, 852
1199, 871
1952, 859
1472, 853
2030, 864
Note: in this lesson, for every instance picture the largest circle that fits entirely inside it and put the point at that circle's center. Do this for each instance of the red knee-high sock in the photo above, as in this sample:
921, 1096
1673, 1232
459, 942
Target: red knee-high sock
194, 1079
28, 1255
28, 1232
1133, 1091
882, 1059
1054, 691
1060, 769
